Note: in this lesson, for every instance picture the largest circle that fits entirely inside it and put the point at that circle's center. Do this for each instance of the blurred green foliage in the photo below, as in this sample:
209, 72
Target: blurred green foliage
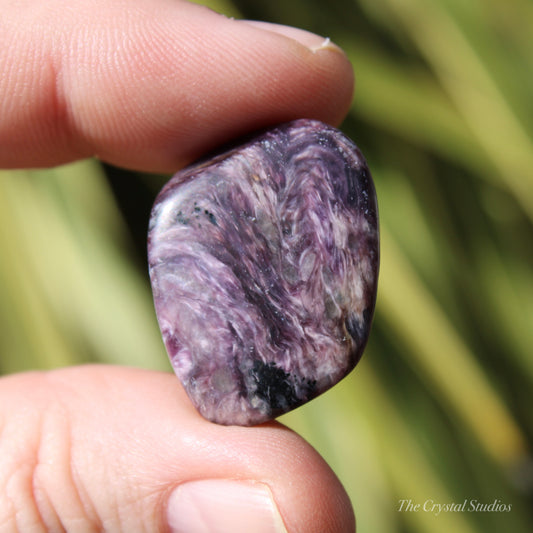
440, 406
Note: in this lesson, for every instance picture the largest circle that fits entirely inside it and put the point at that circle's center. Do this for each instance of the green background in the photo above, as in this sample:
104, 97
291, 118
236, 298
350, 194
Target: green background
440, 406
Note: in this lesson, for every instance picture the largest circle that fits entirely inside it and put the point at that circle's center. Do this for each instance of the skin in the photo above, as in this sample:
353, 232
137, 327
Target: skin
147, 85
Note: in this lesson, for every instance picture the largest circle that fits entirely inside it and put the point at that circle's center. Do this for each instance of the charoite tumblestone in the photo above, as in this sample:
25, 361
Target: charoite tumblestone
264, 264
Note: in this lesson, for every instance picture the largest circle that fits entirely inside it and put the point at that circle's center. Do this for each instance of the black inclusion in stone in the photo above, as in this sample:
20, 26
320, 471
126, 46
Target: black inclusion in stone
273, 385
356, 328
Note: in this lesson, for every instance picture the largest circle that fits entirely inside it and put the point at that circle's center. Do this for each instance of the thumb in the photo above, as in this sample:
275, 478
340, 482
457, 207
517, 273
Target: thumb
103, 448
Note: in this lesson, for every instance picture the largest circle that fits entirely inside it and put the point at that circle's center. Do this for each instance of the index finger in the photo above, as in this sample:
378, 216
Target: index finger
150, 85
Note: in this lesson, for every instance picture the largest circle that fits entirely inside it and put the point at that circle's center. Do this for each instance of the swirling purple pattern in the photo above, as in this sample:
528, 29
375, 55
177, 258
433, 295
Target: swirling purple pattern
264, 263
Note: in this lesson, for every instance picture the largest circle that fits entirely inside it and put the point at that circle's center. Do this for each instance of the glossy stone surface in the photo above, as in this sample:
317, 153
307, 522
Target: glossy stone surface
264, 264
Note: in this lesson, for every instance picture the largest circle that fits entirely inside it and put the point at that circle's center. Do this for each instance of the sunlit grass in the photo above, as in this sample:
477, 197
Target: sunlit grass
70, 291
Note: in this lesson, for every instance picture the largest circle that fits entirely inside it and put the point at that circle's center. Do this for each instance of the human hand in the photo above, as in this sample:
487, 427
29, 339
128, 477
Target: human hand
150, 86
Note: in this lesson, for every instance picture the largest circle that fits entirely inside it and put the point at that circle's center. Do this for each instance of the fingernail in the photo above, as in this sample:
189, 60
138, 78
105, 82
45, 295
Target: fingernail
221, 506
312, 41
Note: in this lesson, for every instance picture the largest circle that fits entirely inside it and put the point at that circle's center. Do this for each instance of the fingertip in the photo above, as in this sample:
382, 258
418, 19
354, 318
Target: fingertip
317, 502
306, 492
330, 73
157, 85
132, 439
223, 505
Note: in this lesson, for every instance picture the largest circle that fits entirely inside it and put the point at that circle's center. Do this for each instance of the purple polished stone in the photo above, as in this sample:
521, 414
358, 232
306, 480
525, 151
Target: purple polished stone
264, 264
